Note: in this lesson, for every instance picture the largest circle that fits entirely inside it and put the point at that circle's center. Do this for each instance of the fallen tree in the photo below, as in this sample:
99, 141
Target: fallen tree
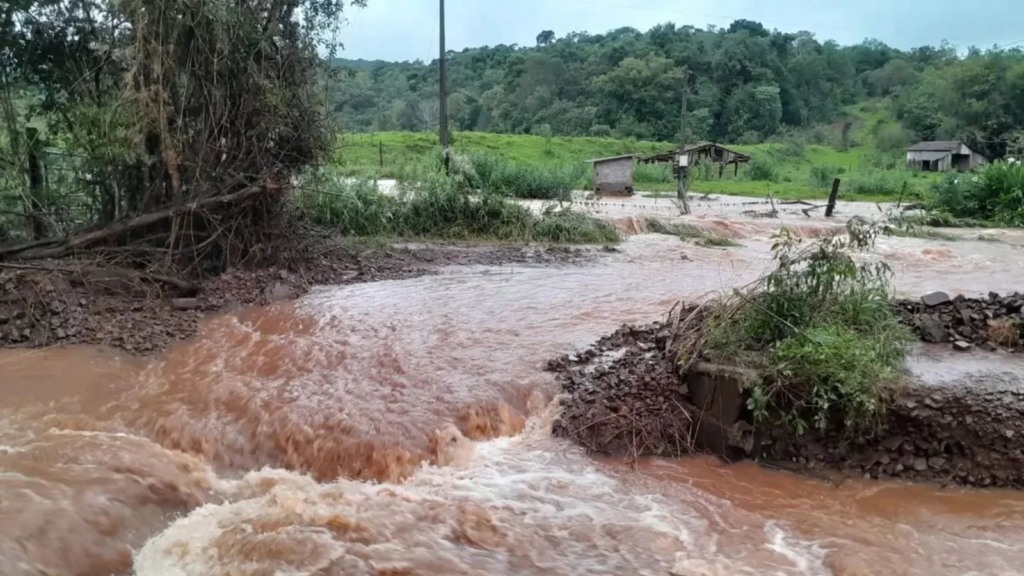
188, 122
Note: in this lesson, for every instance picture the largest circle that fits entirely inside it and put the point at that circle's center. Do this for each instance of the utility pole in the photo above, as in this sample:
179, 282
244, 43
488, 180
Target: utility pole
683, 134
443, 97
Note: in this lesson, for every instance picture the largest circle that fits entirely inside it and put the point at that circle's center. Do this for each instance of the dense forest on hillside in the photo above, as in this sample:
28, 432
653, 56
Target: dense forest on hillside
744, 83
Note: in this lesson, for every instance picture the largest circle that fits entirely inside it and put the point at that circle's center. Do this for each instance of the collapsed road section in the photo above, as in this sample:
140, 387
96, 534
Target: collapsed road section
950, 421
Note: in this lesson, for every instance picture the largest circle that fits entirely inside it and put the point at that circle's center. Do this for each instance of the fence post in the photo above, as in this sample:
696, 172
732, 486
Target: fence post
832, 198
381, 147
36, 184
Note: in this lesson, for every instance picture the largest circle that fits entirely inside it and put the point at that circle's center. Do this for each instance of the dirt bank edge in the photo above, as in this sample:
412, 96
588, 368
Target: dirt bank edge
623, 398
64, 303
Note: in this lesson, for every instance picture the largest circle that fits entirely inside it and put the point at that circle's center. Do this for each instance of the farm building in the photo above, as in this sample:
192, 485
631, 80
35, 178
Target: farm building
613, 176
943, 156
701, 153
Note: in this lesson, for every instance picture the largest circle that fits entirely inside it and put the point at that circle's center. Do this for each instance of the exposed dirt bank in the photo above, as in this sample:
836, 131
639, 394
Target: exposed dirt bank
623, 398
61, 302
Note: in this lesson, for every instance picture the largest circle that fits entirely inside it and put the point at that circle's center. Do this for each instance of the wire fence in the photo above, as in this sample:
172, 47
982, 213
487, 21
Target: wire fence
65, 201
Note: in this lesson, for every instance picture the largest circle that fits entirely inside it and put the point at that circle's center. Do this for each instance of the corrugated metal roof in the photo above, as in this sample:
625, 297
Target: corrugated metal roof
591, 161
695, 147
937, 146
930, 156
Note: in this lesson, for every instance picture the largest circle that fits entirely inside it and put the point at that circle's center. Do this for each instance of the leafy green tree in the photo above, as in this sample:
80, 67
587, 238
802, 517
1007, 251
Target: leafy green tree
646, 88
746, 80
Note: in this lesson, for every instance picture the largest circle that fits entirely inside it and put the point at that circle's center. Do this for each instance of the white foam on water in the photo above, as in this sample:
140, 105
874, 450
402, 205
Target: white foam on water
523, 505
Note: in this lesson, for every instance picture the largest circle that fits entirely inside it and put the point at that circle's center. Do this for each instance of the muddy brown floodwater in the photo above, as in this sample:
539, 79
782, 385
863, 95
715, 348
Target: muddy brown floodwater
402, 427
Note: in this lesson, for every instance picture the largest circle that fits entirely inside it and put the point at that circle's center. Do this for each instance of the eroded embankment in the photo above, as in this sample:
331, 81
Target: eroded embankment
623, 398
63, 302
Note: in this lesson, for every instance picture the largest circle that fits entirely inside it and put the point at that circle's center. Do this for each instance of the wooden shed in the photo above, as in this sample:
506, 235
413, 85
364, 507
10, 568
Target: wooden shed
943, 156
700, 153
613, 176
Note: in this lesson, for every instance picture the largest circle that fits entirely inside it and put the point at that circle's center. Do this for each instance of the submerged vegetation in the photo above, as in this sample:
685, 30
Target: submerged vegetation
689, 232
820, 329
440, 207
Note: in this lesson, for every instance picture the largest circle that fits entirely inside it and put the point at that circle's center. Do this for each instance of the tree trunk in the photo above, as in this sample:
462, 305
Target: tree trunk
36, 185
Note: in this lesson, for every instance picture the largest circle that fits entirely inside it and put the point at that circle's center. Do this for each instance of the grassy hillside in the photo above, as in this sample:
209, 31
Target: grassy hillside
360, 153
796, 166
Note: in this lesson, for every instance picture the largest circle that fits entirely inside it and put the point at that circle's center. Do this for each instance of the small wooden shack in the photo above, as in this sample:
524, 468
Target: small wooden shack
700, 153
613, 176
943, 156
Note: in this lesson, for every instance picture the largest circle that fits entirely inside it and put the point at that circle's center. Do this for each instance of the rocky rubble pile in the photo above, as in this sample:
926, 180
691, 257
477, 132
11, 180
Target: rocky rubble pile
991, 323
963, 436
622, 397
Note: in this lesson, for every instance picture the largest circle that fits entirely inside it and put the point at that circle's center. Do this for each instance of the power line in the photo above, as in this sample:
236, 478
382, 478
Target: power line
1012, 44
723, 17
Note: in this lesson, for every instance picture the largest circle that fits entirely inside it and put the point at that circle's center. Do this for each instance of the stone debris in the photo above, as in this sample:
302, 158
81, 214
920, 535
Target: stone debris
623, 398
993, 323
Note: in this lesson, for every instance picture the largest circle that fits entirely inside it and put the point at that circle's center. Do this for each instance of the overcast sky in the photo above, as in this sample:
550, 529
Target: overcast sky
407, 29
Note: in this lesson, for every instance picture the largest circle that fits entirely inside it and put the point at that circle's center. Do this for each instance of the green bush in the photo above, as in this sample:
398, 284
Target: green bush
995, 193
564, 226
763, 168
834, 372
893, 138
491, 173
653, 173
822, 331
822, 175
350, 205
438, 206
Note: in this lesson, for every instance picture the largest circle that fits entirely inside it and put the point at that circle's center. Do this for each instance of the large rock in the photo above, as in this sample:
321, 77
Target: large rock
935, 299
932, 330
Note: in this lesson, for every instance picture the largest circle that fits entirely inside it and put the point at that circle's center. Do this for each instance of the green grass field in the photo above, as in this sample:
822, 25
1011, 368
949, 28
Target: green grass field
789, 169
361, 153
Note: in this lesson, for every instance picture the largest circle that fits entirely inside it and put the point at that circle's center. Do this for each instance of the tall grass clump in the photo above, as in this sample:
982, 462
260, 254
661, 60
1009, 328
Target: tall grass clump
820, 330
686, 231
822, 175
491, 173
876, 183
994, 193
653, 173
763, 168
564, 226
352, 206
439, 207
